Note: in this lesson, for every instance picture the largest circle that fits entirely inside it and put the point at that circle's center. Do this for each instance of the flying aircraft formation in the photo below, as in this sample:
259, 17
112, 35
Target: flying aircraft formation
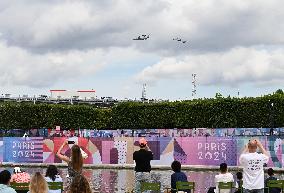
142, 37
145, 37
180, 40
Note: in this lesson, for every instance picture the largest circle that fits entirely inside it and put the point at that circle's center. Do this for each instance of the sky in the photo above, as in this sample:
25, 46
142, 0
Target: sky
232, 46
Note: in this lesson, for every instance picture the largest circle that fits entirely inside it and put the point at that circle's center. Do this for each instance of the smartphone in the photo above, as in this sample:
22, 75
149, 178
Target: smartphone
71, 142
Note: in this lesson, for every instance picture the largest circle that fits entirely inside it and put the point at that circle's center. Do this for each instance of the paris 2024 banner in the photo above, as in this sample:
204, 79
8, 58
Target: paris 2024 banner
119, 150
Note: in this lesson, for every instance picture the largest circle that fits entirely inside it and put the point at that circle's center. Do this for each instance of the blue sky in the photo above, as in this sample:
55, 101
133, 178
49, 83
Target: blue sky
232, 45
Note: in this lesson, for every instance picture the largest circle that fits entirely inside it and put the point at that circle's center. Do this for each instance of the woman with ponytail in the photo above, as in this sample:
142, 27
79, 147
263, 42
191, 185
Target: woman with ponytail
75, 162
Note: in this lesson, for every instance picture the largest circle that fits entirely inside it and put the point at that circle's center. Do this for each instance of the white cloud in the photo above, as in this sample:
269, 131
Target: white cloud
19, 67
208, 25
229, 42
233, 67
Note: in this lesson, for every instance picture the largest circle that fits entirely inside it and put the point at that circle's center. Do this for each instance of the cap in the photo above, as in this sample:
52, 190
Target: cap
17, 170
142, 141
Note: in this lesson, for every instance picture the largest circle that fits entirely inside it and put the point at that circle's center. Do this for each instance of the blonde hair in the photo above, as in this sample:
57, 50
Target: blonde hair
76, 158
38, 184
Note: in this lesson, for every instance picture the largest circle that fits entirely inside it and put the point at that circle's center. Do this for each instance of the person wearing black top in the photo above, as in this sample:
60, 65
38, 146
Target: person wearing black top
270, 172
142, 160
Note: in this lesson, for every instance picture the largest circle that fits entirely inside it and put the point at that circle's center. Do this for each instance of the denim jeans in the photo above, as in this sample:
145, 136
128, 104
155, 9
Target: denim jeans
141, 177
253, 191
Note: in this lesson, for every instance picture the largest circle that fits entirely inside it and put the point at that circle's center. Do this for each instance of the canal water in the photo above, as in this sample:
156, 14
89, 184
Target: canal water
122, 181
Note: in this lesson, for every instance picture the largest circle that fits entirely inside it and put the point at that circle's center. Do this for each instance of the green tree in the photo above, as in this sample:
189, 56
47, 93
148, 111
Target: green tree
279, 91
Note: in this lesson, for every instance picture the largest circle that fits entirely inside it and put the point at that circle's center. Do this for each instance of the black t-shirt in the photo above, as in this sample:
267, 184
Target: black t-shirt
142, 159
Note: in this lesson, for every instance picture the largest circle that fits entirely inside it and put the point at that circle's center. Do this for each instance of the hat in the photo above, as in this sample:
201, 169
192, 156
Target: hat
17, 170
142, 141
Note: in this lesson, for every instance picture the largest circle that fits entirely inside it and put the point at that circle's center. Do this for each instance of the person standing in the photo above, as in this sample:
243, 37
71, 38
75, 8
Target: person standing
80, 185
142, 160
75, 162
253, 174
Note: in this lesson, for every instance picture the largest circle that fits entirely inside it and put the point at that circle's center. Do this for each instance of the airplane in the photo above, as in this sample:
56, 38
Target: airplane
180, 40
144, 37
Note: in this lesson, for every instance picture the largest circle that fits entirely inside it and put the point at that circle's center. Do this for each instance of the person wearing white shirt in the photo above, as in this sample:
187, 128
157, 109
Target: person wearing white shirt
224, 176
253, 173
52, 175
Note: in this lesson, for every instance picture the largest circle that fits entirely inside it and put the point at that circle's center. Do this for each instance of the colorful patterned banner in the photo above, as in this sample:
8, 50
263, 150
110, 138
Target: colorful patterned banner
205, 151
22, 150
119, 150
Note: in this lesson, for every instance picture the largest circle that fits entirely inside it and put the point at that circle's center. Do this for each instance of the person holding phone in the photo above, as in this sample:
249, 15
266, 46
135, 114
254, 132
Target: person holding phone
142, 159
252, 161
75, 162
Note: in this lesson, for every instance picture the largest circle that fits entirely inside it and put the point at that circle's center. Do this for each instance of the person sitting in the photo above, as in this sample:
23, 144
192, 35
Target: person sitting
38, 184
20, 176
5, 177
239, 183
270, 172
177, 176
224, 176
52, 175
79, 184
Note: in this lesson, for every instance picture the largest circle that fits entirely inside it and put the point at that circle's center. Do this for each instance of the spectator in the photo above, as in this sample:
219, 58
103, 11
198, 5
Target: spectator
20, 176
57, 133
224, 176
80, 185
52, 175
38, 184
270, 172
253, 181
177, 176
75, 163
142, 159
34, 132
5, 177
239, 183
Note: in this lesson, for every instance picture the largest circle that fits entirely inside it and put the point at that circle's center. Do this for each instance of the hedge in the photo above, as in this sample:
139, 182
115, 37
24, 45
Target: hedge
206, 113
26, 115
201, 113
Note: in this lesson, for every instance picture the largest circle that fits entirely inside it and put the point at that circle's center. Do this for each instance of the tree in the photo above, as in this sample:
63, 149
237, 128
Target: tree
218, 95
279, 91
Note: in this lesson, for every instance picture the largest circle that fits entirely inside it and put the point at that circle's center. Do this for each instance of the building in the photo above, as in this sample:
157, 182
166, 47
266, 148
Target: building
77, 95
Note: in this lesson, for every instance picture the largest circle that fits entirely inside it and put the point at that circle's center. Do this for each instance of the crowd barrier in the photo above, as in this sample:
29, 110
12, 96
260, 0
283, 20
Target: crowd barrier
119, 150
